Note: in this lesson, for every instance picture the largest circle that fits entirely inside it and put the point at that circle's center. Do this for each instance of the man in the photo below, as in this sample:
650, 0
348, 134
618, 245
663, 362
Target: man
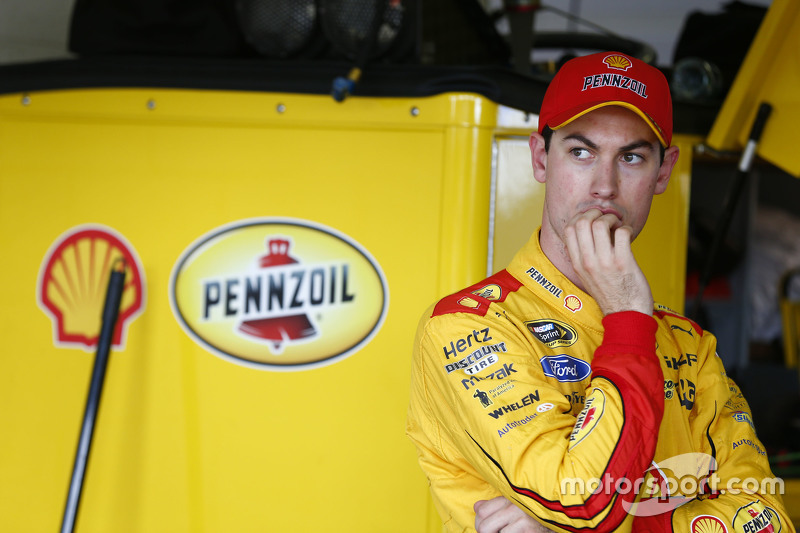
597, 410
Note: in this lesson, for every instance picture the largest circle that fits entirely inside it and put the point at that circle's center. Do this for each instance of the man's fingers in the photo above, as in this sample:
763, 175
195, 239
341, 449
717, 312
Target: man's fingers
623, 236
500, 514
603, 235
492, 515
578, 234
590, 239
584, 228
573, 249
601, 255
484, 508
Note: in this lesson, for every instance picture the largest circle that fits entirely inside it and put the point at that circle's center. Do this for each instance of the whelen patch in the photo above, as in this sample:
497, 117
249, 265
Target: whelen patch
279, 294
73, 281
588, 418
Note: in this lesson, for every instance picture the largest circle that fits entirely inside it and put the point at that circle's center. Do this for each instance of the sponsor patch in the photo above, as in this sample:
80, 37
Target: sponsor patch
525, 401
543, 408
755, 517
279, 294
553, 333
466, 301
502, 373
478, 360
490, 292
669, 389
565, 368
708, 524
483, 398
683, 359
612, 79
539, 278
573, 303
688, 331
749, 442
575, 400
588, 418
73, 281
743, 416
615, 80
467, 342
737, 400
686, 393
501, 389
482, 365
515, 424
617, 62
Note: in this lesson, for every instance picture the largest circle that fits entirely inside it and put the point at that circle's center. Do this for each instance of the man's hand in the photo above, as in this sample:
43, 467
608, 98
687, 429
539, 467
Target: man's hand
492, 516
601, 256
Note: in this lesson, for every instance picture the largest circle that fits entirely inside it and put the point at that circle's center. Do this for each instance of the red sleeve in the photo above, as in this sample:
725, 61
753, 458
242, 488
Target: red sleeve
627, 358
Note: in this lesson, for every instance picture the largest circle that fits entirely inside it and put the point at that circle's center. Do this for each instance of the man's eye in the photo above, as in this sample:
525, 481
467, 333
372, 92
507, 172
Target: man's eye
580, 153
632, 158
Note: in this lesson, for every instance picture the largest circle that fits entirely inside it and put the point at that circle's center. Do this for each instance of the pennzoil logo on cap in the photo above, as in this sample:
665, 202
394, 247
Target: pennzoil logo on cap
617, 62
279, 294
73, 281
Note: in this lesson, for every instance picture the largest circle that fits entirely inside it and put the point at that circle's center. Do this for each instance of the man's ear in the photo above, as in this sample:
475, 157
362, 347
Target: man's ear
664, 172
538, 156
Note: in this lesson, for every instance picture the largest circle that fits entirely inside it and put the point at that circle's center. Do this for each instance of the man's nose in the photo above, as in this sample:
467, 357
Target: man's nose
605, 180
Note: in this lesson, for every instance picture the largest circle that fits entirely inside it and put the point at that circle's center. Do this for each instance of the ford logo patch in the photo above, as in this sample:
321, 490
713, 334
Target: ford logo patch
565, 368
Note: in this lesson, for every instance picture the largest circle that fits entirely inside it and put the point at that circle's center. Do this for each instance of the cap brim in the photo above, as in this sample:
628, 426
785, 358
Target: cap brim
574, 114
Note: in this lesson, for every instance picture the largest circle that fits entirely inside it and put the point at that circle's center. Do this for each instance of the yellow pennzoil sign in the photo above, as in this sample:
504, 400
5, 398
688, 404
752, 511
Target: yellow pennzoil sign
279, 294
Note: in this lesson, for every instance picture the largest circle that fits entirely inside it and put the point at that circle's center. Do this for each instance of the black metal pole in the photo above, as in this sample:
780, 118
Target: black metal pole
344, 86
723, 222
116, 284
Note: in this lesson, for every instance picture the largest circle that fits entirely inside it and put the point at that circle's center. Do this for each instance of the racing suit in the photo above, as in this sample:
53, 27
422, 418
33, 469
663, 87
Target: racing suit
520, 387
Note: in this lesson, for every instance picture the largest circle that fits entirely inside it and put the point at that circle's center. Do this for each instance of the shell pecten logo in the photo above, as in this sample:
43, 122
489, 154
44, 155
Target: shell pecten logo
708, 524
73, 281
617, 62
278, 294
573, 303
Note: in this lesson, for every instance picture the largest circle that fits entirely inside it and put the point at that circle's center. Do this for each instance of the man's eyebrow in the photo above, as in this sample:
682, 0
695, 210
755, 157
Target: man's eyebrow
580, 138
636, 145
627, 148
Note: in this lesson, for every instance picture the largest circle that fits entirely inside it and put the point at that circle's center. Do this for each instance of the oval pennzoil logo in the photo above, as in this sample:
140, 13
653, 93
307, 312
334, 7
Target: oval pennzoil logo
279, 294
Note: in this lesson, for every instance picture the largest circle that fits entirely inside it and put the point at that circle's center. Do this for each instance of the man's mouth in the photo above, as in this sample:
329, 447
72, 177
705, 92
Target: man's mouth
605, 211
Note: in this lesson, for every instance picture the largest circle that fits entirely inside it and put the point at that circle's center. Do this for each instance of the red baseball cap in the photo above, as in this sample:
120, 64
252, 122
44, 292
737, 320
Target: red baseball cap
608, 78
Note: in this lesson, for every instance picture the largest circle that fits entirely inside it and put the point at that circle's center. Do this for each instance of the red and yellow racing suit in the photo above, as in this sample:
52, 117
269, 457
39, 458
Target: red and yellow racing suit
520, 387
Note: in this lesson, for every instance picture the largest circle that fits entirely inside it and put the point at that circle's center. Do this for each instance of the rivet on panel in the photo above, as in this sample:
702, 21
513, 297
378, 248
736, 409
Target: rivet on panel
281, 108
151, 104
26, 100
414, 111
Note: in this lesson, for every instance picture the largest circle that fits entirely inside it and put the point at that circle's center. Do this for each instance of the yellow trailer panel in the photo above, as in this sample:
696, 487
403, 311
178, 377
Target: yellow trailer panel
376, 207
